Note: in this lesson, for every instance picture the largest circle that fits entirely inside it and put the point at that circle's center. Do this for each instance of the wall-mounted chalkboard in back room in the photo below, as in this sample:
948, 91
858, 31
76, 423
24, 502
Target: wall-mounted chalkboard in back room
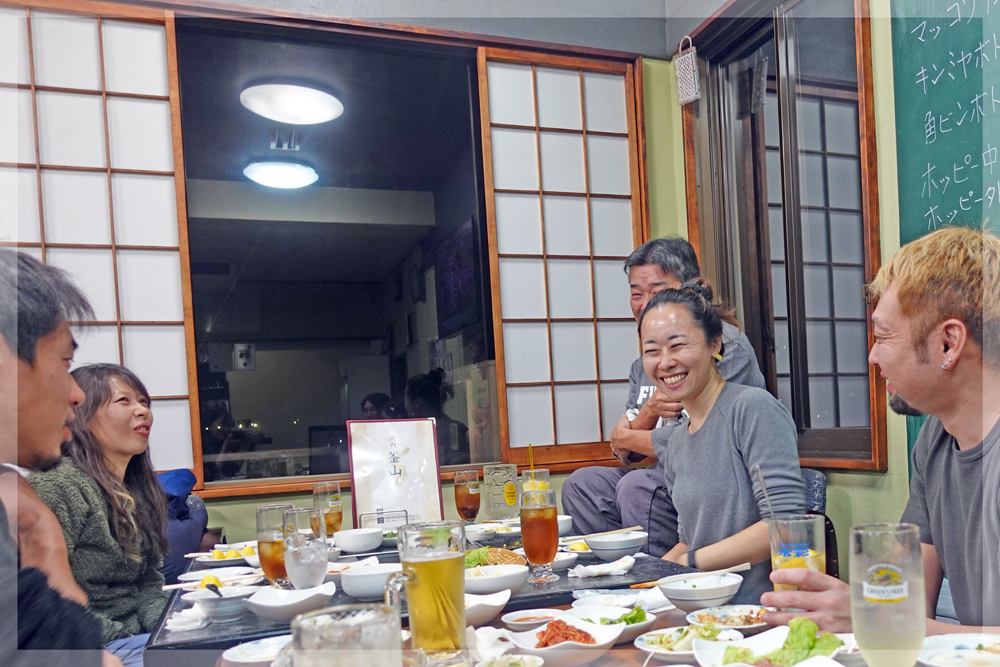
946, 66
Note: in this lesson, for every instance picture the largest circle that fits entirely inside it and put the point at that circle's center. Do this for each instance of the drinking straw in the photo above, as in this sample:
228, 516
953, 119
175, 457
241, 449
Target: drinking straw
531, 463
763, 487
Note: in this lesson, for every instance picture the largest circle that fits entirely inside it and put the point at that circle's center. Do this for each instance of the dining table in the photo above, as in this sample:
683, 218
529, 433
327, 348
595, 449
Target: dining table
203, 647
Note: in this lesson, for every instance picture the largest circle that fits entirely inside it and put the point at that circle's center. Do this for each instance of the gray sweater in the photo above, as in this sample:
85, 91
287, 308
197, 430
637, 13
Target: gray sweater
708, 476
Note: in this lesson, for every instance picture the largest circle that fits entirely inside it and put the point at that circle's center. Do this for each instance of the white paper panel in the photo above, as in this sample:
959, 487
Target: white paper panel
17, 129
156, 354
135, 58
71, 129
612, 289
576, 414
607, 161
529, 416
145, 210
573, 353
66, 51
14, 66
569, 288
515, 159
139, 131
519, 224
566, 225
618, 347
76, 207
526, 352
613, 398
97, 345
149, 285
93, 272
19, 212
558, 98
604, 97
34, 252
512, 101
611, 226
522, 288
170, 437
562, 162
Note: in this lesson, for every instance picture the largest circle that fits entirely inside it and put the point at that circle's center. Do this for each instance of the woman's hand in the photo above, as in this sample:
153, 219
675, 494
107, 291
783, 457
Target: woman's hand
825, 599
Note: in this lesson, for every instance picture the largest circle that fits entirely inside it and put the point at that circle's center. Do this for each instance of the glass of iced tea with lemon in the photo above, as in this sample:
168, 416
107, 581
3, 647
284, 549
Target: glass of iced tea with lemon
433, 559
540, 533
798, 540
270, 545
326, 496
467, 494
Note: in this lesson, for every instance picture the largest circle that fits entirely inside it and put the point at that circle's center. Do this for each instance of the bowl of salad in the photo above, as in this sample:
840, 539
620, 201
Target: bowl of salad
677, 644
783, 646
637, 620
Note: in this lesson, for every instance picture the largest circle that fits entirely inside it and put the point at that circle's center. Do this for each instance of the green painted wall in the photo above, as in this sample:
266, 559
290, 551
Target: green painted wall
664, 150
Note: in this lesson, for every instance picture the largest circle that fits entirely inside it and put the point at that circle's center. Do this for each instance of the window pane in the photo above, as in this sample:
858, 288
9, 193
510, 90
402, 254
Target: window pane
76, 207
852, 347
817, 286
846, 237
66, 51
149, 285
140, 136
566, 225
854, 404
611, 289
145, 210
773, 176
135, 57
573, 353
819, 347
519, 224
98, 345
19, 217
779, 291
841, 126
772, 129
785, 391
845, 182
618, 345
848, 291
169, 439
604, 100
613, 398
558, 97
814, 236
607, 165
522, 288
776, 231
71, 130
562, 162
526, 352
781, 351
611, 226
512, 100
822, 406
91, 271
17, 126
515, 159
529, 411
810, 126
576, 414
570, 293
157, 355
14, 66
811, 180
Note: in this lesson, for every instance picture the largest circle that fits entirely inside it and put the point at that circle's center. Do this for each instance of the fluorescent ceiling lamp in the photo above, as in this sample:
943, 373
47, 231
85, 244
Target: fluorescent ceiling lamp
281, 174
296, 105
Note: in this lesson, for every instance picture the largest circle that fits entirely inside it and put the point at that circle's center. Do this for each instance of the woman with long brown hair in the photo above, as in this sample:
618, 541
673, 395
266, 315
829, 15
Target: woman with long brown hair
111, 507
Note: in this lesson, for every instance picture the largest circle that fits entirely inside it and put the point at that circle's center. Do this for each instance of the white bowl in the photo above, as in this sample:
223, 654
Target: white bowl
685, 657
529, 619
565, 524
228, 608
481, 609
693, 593
935, 645
724, 613
220, 562
252, 561
564, 559
260, 653
613, 547
569, 654
390, 542
284, 605
479, 532
611, 600
709, 654
368, 582
629, 633
358, 540
498, 578
509, 532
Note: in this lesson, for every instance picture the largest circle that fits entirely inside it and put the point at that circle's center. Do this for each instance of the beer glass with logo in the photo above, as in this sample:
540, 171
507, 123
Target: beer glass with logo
326, 496
433, 559
540, 533
467, 494
500, 489
888, 605
270, 544
798, 540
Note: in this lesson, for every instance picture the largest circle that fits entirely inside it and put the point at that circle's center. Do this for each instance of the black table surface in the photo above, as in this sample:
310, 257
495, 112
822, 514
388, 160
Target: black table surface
204, 646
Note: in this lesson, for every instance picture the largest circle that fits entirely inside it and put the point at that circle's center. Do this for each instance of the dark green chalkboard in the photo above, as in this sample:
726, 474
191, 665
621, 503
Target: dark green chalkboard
946, 71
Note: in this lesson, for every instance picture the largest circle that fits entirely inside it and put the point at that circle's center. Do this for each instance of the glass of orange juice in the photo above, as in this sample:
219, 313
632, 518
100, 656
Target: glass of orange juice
798, 540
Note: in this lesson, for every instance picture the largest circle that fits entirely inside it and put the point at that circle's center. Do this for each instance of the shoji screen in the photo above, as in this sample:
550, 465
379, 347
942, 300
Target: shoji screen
87, 157
564, 203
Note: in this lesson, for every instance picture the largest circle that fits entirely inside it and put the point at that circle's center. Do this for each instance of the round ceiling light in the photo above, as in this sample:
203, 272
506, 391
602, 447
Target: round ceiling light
296, 105
281, 174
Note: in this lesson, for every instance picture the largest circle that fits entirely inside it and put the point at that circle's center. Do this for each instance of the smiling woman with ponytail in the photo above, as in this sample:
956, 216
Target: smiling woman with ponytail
110, 505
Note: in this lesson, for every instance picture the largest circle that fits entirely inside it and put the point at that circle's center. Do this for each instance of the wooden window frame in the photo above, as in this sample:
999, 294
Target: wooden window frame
731, 25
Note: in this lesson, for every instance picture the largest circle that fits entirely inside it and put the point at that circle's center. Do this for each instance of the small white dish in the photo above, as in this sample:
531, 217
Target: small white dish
566, 542
358, 540
687, 657
508, 531
569, 654
334, 570
850, 655
284, 605
565, 524
198, 575
693, 593
564, 559
709, 654
368, 583
612, 547
252, 561
529, 619
726, 617
479, 532
220, 562
496, 579
611, 600
390, 539
225, 609
936, 646
481, 609
260, 653
629, 633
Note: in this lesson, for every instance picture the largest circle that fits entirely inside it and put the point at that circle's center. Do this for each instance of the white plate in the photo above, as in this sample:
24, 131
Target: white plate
728, 610
220, 562
198, 575
627, 601
481, 609
709, 654
508, 532
630, 632
564, 543
536, 618
936, 645
564, 559
284, 605
727, 635
569, 654
260, 653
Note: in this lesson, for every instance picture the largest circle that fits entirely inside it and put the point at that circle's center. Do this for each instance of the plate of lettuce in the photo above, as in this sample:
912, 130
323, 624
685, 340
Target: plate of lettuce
779, 647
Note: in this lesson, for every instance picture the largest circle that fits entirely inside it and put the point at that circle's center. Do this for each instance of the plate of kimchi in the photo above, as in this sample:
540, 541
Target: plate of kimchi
567, 642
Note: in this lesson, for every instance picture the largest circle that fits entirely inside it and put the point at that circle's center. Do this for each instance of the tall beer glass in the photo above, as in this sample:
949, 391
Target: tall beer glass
467, 494
433, 558
888, 607
326, 496
540, 533
270, 545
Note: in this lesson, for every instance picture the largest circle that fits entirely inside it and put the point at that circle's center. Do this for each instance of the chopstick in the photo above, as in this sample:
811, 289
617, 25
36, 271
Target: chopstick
196, 584
607, 532
742, 567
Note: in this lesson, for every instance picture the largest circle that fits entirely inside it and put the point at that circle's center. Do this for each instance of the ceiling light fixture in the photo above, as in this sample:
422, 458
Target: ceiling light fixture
281, 174
295, 105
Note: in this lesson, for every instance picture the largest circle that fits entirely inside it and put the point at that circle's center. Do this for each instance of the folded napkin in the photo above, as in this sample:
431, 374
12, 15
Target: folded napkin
653, 600
486, 643
620, 566
187, 619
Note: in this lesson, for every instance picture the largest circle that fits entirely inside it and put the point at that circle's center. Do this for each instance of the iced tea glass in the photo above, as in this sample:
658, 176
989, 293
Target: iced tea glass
270, 544
467, 494
540, 533
326, 496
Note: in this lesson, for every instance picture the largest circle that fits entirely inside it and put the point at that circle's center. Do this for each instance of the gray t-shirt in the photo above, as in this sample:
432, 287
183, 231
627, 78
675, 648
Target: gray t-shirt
954, 499
708, 474
739, 365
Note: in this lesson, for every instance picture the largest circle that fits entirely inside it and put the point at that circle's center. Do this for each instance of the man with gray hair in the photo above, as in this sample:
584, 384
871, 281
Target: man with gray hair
605, 498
